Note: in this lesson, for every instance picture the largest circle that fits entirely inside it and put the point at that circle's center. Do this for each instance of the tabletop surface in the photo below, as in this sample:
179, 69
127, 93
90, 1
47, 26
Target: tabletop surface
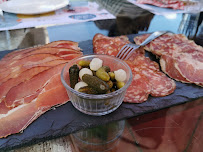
177, 128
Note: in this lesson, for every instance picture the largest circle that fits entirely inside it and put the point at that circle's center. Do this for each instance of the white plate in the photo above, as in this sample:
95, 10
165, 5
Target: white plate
32, 6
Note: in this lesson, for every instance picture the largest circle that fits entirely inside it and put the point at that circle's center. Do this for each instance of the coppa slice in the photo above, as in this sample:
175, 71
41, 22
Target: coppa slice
181, 58
30, 87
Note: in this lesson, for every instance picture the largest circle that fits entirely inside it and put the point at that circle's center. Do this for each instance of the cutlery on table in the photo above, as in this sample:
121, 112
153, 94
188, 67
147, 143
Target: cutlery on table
128, 49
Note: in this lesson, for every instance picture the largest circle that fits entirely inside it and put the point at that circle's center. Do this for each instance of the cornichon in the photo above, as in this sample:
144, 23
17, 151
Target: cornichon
73, 75
100, 86
87, 90
102, 73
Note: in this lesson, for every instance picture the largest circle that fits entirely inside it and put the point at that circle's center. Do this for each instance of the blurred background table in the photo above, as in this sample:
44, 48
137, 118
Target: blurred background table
177, 128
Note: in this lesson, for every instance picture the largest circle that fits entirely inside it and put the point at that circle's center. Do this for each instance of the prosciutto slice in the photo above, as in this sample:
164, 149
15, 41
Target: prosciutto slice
24, 89
180, 58
56, 44
17, 119
16, 71
26, 75
147, 78
32, 86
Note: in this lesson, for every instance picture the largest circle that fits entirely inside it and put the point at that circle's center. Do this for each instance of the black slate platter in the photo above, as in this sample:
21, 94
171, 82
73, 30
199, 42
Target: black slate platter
66, 119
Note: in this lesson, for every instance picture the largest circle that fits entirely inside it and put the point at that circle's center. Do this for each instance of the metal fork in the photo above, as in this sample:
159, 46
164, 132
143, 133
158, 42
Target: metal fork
128, 49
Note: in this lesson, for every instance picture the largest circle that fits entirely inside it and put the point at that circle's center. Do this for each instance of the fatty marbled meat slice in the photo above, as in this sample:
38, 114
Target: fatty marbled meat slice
43, 50
160, 84
70, 56
16, 94
56, 44
139, 89
180, 58
15, 71
24, 76
108, 45
3, 108
146, 73
17, 119
64, 44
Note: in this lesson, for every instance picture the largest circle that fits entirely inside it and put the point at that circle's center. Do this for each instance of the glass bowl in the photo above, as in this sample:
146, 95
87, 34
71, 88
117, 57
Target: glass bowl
97, 105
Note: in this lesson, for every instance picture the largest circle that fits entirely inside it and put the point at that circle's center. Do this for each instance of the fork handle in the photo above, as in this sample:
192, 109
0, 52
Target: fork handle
152, 37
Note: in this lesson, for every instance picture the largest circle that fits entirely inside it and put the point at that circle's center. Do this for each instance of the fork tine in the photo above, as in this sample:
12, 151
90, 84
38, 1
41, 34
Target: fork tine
132, 50
121, 51
126, 52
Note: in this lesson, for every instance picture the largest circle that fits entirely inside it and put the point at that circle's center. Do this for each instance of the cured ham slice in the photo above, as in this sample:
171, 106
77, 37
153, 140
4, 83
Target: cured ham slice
20, 117
14, 72
147, 78
55, 44
43, 50
64, 44
30, 87
3, 108
180, 58
24, 76
32, 59
70, 56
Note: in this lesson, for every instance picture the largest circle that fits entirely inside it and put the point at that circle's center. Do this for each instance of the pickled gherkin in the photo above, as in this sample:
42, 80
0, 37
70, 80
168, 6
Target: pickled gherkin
73, 75
88, 90
99, 85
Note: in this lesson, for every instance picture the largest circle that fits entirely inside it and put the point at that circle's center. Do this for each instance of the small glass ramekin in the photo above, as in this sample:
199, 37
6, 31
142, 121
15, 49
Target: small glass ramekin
97, 105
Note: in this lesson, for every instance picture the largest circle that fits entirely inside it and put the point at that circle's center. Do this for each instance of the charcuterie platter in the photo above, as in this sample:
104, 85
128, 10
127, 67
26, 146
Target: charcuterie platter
53, 121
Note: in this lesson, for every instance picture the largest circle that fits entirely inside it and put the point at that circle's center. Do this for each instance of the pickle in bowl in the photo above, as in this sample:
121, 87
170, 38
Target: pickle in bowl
93, 88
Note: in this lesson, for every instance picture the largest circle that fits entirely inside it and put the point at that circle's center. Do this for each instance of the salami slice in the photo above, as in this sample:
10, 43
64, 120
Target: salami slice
139, 89
147, 78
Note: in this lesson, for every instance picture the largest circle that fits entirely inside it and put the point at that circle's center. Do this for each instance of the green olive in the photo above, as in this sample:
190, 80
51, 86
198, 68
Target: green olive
84, 63
120, 84
102, 74
112, 75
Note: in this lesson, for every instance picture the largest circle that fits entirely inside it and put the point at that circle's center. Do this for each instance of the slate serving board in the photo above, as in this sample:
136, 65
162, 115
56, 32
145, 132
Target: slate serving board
66, 119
